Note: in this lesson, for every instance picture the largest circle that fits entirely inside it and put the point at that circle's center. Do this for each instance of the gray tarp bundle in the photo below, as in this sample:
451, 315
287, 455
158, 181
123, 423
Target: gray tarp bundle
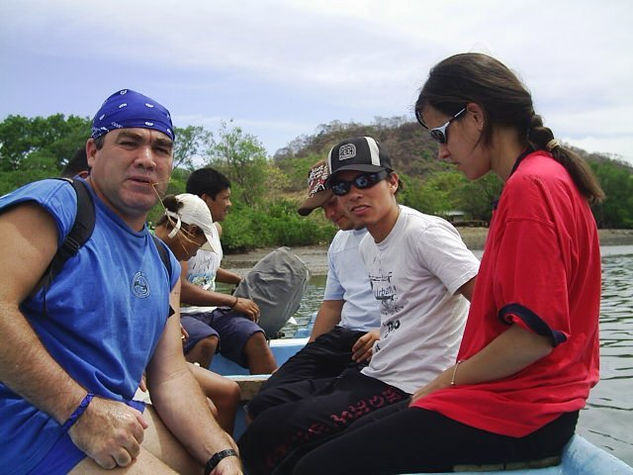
277, 284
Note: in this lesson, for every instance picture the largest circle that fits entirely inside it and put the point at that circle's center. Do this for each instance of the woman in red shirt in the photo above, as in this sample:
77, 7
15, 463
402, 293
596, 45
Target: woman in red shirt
530, 351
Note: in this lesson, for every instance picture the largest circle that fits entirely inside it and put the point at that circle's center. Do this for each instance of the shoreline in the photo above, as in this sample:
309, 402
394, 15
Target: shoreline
315, 256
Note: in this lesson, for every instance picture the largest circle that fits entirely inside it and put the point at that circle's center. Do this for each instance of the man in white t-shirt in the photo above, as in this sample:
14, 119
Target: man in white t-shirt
419, 270
346, 325
213, 319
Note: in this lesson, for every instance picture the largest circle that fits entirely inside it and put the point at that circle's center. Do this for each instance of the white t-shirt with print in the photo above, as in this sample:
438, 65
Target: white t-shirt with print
202, 269
414, 274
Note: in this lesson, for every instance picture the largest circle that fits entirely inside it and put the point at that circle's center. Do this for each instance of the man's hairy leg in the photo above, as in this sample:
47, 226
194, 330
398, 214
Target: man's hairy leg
160, 452
144, 463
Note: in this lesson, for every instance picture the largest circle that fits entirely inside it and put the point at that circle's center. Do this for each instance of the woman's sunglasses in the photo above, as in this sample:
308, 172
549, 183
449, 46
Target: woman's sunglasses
364, 180
439, 134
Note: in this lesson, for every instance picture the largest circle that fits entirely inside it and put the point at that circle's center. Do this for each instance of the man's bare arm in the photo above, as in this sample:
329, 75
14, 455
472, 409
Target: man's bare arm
467, 289
515, 349
192, 294
227, 277
25, 365
179, 401
328, 317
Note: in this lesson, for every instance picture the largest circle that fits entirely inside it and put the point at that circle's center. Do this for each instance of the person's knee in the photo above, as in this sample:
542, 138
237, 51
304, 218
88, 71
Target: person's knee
202, 352
259, 357
212, 407
207, 346
232, 393
257, 345
257, 339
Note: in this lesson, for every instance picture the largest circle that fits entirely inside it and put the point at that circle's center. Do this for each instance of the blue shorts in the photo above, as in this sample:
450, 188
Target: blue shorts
64, 454
197, 330
232, 328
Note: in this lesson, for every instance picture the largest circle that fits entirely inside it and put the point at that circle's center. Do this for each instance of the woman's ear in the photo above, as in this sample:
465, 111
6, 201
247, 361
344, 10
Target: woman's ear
477, 114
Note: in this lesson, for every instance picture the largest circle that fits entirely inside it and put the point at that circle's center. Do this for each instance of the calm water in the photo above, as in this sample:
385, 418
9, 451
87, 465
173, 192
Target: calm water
607, 421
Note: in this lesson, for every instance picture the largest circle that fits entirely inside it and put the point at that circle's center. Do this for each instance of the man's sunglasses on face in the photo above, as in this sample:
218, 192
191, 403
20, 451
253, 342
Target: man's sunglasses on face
364, 180
439, 134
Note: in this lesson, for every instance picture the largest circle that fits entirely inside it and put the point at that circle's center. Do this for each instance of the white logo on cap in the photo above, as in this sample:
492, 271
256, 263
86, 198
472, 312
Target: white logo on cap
346, 152
102, 116
123, 91
149, 124
149, 105
122, 105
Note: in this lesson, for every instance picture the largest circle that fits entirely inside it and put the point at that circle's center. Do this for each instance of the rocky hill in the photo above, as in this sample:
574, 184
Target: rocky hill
411, 149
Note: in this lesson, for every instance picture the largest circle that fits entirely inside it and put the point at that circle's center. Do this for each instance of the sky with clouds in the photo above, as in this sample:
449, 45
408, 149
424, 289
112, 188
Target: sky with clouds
280, 68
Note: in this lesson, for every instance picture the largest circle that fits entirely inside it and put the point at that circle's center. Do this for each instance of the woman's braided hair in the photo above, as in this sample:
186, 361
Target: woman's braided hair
479, 78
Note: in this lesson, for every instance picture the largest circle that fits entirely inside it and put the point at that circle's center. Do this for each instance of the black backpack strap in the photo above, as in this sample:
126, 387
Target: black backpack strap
77, 236
161, 247
164, 254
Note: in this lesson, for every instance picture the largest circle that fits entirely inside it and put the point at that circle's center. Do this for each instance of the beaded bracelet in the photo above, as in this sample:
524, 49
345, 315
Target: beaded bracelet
213, 461
78, 412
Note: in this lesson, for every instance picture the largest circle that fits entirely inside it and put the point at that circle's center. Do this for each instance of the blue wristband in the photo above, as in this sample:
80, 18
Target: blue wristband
78, 412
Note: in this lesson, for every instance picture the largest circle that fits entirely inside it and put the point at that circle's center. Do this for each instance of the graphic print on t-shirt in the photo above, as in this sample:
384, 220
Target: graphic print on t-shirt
384, 292
202, 269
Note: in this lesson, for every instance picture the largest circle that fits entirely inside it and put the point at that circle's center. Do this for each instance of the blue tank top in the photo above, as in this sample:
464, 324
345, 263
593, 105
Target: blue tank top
105, 312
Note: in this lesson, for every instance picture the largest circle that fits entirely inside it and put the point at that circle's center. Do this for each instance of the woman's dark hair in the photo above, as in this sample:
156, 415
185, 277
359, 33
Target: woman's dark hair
171, 204
479, 78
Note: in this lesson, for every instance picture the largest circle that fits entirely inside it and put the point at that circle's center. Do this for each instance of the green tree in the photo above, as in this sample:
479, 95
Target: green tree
243, 158
436, 194
296, 171
476, 198
15, 141
191, 142
617, 182
57, 136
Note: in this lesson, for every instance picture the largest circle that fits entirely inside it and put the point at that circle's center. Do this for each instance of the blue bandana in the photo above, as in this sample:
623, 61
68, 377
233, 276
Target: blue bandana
128, 109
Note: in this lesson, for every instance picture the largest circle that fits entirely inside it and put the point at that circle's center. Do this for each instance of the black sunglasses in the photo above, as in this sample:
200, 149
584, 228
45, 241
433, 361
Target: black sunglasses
364, 180
439, 134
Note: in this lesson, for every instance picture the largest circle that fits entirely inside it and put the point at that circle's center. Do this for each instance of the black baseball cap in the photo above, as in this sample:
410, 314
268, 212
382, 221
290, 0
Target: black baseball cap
358, 153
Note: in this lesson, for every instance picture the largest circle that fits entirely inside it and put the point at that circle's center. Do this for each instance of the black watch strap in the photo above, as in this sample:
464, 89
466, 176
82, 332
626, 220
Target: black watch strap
215, 459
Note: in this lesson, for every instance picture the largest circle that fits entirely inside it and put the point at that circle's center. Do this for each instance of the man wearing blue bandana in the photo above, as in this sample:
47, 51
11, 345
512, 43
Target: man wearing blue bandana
73, 352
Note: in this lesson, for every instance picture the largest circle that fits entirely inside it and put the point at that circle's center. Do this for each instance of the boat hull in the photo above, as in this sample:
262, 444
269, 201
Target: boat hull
580, 457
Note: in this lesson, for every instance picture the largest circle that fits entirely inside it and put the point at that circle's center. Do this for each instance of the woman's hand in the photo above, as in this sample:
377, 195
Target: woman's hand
440, 382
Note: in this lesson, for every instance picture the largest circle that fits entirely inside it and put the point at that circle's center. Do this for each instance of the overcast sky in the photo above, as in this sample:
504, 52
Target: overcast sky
280, 68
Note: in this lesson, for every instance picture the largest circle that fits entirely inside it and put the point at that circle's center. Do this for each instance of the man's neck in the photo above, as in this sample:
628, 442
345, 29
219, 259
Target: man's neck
380, 230
135, 221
